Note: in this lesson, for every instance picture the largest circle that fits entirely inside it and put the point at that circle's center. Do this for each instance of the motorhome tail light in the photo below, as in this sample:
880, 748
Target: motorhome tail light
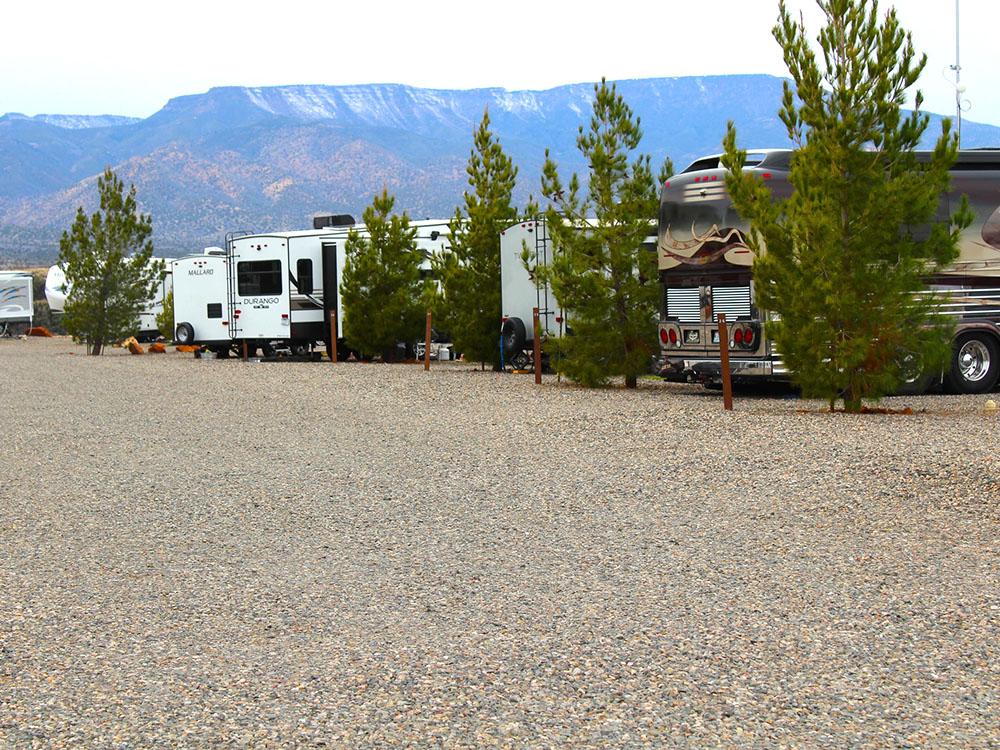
284, 315
748, 337
766, 175
663, 335
738, 337
673, 336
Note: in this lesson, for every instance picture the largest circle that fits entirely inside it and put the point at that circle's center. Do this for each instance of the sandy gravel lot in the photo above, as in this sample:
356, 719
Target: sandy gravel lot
226, 554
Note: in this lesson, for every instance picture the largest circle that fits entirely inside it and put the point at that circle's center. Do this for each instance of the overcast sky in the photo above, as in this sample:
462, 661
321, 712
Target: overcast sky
129, 58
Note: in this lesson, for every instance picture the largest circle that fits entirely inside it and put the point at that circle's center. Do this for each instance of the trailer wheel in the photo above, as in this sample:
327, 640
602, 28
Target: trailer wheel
300, 348
184, 333
513, 336
975, 363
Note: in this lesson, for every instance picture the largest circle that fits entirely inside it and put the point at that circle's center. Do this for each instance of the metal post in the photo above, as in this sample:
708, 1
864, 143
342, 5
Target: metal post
727, 378
537, 345
333, 336
245, 350
427, 343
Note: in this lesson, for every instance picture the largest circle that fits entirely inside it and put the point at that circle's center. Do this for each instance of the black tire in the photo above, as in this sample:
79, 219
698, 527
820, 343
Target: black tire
914, 379
299, 349
513, 336
975, 363
184, 334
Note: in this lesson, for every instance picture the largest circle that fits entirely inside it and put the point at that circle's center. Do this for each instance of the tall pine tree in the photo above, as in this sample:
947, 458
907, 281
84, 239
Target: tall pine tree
600, 273
470, 273
381, 288
841, 260
107, 258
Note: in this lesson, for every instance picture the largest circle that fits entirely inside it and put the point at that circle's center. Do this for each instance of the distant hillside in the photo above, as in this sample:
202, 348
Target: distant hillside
270, 158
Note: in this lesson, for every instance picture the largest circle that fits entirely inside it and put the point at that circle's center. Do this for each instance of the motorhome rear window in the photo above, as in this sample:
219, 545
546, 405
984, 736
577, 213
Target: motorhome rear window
257, 277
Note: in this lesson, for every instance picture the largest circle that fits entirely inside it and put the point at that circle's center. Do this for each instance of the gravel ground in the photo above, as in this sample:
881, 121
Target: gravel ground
218, 553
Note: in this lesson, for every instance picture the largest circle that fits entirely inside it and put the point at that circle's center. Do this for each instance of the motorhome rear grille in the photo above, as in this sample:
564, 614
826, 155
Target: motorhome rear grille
683, 304
734, 301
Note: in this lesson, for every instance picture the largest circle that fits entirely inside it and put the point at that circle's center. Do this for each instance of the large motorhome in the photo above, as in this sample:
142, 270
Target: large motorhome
706, 268
16, 301
276, 290
57, 289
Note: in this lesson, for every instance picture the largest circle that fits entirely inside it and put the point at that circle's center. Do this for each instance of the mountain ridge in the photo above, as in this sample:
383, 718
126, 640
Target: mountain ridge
268, 158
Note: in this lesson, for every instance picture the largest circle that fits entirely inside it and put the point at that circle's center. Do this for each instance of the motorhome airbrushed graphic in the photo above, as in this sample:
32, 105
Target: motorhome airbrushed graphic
706, 268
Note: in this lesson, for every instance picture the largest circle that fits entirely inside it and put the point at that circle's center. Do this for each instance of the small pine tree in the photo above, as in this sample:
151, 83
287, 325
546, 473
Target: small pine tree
470, 273
601, 274
844, 256
107, 260
381, 289
165, 319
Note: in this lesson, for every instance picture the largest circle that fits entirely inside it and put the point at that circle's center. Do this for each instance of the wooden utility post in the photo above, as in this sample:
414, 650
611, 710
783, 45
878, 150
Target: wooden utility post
333, 336
427, 343
537, 345
245, 350
727, 378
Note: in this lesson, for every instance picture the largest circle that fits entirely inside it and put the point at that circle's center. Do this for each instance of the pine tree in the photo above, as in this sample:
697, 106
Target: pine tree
381, 288
599, 272
845, 255
107, 260
470, 273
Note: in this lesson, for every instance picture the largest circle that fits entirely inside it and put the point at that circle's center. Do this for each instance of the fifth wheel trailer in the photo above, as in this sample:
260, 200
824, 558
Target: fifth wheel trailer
521, 290
57, 289
274, 290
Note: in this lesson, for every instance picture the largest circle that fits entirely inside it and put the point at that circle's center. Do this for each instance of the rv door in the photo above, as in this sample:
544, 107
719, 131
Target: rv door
260, 299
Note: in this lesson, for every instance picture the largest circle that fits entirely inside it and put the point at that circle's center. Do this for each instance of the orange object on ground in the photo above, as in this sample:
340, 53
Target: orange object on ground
157, 348
40, 331
133, 346
187, 348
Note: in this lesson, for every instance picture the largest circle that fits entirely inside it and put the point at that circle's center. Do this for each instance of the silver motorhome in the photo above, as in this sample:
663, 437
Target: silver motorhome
706, 268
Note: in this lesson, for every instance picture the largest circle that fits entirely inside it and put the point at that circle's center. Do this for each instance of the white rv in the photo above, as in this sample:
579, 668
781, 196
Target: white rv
273, 290
521, 291
16, 301
57, 289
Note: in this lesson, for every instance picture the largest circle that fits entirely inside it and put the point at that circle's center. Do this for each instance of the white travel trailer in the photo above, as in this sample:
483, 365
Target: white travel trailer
16, 301
521, 290
57, 289
273, 290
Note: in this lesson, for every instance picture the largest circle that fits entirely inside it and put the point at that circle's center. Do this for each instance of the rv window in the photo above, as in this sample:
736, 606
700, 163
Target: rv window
304, 268
214, 309
255, 277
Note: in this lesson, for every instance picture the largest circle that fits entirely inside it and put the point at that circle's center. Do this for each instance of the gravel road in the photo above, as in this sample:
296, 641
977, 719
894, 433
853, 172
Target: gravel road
201, 553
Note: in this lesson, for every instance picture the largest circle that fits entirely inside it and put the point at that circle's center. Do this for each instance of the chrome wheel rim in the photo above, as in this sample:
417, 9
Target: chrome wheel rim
973, 360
